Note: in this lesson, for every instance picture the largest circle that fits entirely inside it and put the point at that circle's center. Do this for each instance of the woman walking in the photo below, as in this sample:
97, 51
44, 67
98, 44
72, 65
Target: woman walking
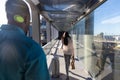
68, 50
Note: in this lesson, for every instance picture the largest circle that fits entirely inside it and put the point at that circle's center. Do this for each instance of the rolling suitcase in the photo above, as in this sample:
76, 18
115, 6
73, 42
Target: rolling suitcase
55, 67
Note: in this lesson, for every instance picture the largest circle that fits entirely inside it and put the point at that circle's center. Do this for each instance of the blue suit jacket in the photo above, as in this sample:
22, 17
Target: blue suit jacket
21, 58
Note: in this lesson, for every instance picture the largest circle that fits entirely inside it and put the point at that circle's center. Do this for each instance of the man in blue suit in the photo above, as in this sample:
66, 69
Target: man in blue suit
21, 58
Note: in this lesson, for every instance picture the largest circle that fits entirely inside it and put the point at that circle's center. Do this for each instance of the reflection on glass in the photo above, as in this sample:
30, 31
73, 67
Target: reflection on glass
98, 45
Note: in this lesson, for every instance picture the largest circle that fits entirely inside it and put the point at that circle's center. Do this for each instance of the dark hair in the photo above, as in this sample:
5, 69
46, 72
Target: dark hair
65, 39
16, 7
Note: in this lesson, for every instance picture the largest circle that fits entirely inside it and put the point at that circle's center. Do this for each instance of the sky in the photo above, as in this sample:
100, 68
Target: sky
3, 19
106, 17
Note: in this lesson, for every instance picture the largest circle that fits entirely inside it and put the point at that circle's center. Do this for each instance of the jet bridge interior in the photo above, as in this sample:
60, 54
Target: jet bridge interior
64, 15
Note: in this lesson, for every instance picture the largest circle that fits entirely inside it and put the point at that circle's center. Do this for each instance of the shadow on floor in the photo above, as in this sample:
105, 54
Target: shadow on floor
108, 77
77, 75
63, 77
61, 56
88, 78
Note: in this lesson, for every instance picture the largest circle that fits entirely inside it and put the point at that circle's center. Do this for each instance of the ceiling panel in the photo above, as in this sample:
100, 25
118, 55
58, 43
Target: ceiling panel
63, 14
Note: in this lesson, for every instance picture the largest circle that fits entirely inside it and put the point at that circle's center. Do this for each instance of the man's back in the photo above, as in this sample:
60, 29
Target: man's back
20, 57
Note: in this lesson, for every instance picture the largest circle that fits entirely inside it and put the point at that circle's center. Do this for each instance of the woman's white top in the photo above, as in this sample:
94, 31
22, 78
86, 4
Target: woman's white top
68, 49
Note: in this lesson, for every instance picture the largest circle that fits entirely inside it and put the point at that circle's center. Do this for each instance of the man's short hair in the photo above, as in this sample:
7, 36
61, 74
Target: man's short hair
17, 7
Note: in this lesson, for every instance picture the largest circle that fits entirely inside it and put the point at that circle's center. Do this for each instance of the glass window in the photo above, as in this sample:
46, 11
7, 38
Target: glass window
97, 41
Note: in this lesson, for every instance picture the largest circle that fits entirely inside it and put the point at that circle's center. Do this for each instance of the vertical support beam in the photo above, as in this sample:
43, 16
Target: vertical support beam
54, 33
50, 32
48, 28
36, 26
35, 22
88, 41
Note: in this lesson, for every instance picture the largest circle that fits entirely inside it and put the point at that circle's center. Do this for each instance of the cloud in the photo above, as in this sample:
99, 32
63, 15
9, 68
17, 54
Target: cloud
113, 20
